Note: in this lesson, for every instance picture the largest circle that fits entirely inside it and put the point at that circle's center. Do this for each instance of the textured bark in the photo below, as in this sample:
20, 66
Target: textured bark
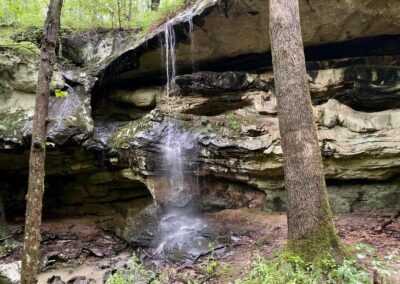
311, 231
33, 216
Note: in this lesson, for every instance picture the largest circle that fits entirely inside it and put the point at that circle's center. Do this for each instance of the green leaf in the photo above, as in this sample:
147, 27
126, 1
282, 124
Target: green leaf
71, 120
51, 144
60, 94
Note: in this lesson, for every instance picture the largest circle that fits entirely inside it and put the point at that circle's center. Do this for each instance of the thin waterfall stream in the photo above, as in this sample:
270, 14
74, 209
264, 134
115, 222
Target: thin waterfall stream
181, 234
170, 58
192, 45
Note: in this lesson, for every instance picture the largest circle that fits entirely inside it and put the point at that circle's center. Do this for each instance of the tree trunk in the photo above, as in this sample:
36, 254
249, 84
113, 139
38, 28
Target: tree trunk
311, 231
119, 14
130, 12
3, 224
33, 216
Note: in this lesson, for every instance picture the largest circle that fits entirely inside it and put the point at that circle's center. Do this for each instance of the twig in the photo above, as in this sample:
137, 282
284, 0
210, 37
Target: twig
208, 252
312, 9
184, 267
388, 222
377, 278
8, 237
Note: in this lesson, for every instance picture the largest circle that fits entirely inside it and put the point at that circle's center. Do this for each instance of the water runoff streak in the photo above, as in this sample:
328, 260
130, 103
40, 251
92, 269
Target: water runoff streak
170, 58
192, 44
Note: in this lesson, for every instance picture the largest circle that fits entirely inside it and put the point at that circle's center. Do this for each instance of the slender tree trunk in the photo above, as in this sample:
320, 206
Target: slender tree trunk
311, 231
33, 216
119, 14
3, 224
130, 12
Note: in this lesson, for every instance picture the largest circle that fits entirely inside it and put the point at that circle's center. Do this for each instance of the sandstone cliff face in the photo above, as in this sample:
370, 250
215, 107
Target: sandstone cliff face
108, 131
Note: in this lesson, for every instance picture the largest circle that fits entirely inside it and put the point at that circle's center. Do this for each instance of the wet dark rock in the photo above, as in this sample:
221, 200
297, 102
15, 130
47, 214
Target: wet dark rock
94, 252
214, 82
183, 237
55, 280
56, 256
220, 194
138, 224
81, 280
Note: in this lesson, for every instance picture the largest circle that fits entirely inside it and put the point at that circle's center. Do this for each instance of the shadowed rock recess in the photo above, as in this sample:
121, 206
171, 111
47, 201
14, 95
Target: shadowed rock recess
108, 132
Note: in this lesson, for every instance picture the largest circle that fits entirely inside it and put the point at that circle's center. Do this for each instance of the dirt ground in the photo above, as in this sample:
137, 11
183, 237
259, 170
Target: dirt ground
79, 246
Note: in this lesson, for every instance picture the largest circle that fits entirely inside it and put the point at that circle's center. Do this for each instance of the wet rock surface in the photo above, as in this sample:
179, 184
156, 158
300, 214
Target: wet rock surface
183, 236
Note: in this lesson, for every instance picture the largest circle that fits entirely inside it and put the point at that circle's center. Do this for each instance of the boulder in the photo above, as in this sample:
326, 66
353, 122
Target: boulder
143, 98
10, 273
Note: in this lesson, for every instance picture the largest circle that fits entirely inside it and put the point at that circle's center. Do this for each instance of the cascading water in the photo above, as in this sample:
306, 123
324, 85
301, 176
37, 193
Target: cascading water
179, 236
170, 58
192, 45
178, 161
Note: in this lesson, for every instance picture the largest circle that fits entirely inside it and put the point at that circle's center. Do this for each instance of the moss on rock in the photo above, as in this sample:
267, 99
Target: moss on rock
11, 125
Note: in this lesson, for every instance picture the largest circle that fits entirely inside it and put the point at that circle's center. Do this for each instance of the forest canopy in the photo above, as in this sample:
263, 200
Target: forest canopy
83, 14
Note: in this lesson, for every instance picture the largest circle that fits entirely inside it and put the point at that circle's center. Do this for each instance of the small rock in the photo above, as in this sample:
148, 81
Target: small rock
107, 275
81, 280
252, 130
56, 256
55, 280
120, 264
266, 240
10, 272
95, 252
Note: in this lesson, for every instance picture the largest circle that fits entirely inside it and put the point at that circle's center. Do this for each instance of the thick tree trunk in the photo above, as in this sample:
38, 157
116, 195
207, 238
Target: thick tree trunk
33, 216
311, 231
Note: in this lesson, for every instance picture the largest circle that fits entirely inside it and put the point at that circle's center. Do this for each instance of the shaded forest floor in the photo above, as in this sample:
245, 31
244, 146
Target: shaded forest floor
80, 247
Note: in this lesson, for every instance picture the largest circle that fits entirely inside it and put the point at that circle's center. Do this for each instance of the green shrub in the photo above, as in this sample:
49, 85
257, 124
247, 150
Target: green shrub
135, 273
290, 269
88, 15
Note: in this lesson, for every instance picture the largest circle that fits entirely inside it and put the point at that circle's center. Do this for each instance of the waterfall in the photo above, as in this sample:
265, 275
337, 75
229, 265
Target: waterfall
192, 45
170, 59
178, 148
180, 227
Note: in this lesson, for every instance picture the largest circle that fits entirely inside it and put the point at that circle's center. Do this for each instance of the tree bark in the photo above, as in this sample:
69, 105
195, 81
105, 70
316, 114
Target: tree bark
33, 216
130, 12
119, 14
311, 230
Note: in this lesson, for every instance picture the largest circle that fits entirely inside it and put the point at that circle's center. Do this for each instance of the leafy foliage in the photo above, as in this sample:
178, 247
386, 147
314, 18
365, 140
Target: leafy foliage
235, 121
286, 268
136, 273
208, 268
80, 14
60, 94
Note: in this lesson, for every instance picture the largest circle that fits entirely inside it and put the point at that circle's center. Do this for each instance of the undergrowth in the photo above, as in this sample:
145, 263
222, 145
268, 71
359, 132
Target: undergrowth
88, 15
134, 273
152, 18
359, 267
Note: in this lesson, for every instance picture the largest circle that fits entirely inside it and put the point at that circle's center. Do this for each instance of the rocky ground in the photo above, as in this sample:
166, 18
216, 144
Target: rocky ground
80, 247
